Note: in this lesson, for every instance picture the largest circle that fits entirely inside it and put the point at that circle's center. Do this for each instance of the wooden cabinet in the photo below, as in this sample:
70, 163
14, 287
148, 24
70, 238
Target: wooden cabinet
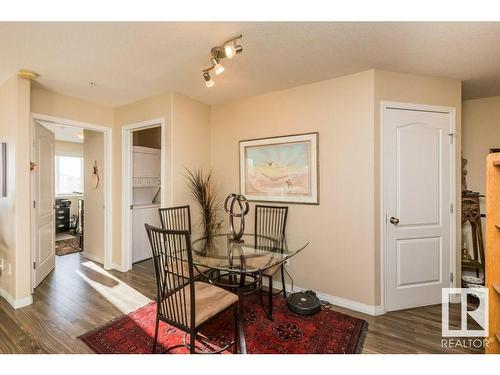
492, 255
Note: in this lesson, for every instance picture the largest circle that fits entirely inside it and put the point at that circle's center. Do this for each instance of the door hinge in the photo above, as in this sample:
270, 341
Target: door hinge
34, 204
34, 265
451, 136
451, 276
451, 208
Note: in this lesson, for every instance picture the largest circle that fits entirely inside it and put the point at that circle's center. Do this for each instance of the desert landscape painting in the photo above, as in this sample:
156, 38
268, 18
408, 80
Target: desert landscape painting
280, 169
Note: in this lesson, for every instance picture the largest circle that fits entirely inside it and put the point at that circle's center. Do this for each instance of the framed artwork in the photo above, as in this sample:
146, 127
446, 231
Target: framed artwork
3, 169
280, 169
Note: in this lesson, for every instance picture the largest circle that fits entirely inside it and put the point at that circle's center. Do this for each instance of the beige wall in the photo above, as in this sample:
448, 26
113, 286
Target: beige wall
143, 110
53, 104
345, 228
187, 131
190, 149
411, 88
481, 131
69, 148
15, 208
47, 102
93, 151
340, 259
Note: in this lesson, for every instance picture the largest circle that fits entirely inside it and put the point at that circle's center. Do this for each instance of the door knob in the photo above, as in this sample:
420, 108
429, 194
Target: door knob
394, 221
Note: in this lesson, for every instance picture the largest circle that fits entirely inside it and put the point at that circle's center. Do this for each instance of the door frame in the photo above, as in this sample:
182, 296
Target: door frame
126, 237
108, 177
384, 105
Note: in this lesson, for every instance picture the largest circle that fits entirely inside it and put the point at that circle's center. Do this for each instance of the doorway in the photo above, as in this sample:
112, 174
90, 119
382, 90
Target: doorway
418, 197
71, 165
143, 173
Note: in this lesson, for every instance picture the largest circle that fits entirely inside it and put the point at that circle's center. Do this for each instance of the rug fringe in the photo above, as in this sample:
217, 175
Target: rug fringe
361, 338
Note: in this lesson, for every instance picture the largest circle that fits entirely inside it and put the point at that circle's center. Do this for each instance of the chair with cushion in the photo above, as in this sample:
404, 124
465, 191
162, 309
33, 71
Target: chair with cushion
179, 218
182, 301
270, 225
175, 218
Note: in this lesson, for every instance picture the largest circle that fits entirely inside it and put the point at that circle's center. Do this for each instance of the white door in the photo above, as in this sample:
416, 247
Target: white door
417, 203
44, 203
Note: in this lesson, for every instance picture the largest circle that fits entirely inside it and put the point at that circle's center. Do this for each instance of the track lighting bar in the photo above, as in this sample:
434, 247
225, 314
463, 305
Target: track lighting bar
228, 49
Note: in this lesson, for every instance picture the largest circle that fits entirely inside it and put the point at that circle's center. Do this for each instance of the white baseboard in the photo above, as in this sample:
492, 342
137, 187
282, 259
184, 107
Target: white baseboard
16, 303
93, 258
118, 267
337, 301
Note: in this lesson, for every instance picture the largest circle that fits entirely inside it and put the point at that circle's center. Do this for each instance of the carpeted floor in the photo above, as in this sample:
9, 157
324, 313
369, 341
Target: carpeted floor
69, 246
326, 332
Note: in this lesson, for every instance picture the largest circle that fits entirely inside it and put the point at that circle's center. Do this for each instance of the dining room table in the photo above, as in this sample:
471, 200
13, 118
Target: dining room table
238, 265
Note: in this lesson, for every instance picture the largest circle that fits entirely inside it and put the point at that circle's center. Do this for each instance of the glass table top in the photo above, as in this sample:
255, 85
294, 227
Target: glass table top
255, 253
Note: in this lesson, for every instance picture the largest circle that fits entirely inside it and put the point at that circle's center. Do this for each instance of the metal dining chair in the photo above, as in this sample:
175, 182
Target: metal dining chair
182, 301
270, 226
175, 218
179, 218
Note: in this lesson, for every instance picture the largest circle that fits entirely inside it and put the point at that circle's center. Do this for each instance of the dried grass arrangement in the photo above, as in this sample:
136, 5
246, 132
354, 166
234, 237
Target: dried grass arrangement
203, 190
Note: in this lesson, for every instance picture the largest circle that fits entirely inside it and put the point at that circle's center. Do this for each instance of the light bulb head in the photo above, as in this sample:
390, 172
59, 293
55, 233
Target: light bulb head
229, 50
218, 68
208, 79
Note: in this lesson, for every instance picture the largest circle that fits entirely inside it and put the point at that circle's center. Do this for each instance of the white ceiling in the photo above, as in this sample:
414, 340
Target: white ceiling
130, 61
63, 132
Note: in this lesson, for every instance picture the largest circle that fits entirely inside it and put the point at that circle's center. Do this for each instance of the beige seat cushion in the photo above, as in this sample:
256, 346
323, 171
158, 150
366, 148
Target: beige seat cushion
263, 261
209, 301
271, 271
184, 272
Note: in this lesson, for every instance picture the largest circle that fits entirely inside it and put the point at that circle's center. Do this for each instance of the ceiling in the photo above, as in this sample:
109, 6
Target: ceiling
131, 61
63, 132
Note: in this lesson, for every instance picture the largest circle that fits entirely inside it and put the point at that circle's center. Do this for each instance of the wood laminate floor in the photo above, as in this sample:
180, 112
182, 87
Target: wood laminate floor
80, 296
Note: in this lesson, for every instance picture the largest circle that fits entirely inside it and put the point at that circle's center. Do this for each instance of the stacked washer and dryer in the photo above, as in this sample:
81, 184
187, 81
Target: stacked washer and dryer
146, 185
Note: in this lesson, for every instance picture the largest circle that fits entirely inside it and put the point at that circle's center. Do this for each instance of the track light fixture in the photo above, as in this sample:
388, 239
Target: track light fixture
228, 49
208, 79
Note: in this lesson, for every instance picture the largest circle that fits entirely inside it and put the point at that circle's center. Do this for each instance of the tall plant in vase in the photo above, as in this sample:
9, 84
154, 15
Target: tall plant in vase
203, 191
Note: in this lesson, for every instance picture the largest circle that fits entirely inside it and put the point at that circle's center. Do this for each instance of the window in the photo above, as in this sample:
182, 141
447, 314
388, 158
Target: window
69, 174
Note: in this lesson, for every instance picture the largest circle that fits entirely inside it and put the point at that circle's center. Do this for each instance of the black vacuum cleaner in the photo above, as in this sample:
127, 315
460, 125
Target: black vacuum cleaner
304, 302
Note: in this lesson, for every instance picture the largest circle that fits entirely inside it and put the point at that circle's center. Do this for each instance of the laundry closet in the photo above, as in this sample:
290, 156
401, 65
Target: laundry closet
146, 188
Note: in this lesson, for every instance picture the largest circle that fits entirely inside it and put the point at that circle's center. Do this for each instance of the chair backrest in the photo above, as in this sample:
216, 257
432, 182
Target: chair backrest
173, 263
270, 225
175, 218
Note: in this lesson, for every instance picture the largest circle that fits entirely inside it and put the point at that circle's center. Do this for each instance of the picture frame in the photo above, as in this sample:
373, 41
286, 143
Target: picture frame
3, 169
283, 169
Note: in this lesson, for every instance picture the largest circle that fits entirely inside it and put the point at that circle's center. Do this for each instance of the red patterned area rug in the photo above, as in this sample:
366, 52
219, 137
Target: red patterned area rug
325, 332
